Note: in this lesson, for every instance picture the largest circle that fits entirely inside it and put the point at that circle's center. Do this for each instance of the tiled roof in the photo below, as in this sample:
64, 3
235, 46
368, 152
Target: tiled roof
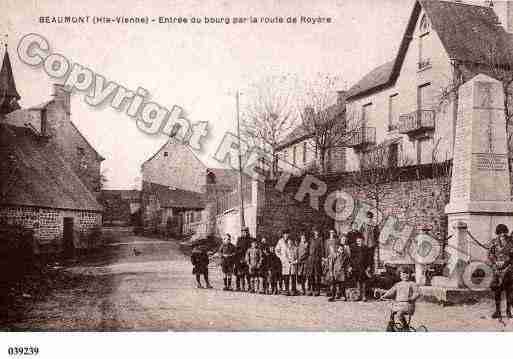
37, 175
176, 198
467, 32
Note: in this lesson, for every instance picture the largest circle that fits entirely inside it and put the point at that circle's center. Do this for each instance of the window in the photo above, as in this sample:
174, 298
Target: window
366, 114
424, 27
393, 116
294, 150
166, 154
423, 99
304, 152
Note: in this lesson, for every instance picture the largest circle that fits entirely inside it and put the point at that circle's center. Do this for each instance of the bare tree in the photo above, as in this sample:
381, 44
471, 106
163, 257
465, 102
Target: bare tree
322, 116
268, 116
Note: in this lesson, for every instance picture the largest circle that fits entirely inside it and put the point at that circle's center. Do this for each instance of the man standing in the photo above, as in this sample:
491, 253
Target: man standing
370, 239
361, 266
500, 256
316, 253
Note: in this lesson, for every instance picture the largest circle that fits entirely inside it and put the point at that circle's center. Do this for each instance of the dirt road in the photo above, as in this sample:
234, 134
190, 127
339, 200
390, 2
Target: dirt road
155, 290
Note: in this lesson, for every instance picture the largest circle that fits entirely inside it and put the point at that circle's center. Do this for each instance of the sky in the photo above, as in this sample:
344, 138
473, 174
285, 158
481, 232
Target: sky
198, 67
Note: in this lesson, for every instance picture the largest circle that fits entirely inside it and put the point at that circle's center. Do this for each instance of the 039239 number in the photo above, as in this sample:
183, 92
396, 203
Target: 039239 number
22, 350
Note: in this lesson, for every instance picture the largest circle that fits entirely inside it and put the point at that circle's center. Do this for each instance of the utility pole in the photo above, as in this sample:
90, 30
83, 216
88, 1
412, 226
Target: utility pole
242, 222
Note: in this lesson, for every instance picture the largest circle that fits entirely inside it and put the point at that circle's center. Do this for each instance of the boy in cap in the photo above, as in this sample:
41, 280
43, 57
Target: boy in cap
405, 293
227, 251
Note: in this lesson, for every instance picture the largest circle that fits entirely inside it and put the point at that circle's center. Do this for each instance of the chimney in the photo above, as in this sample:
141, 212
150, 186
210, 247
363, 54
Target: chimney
62, 97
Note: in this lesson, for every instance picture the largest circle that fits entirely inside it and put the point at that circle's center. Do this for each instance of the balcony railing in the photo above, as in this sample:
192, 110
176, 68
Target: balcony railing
362, 137
417, 122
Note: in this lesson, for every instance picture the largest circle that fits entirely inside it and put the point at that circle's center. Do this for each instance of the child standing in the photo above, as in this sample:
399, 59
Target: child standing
302, 252
274, 271
199, 259
404, 293
264, 270
361, 266
338, 263
227, 251
254, 262
291, 254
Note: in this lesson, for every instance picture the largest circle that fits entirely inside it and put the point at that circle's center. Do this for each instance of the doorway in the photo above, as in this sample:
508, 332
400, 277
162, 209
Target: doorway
68, 244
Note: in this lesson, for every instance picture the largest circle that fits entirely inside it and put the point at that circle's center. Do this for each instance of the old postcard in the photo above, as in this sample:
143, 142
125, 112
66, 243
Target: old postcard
337, 165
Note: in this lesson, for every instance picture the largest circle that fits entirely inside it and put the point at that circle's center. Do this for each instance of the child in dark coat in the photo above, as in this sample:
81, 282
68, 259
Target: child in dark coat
227, 251
264, 270
199, 260
274, 271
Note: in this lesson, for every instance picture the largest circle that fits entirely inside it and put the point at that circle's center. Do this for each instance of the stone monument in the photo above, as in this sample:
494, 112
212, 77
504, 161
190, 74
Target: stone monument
480, 195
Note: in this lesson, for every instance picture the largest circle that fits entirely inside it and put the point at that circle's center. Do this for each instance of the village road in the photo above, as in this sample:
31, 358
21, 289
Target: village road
154, 290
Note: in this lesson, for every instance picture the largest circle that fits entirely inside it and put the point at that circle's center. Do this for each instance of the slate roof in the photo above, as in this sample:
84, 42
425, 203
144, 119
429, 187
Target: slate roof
9, 96
176, 198
378, 78
37, 175
462, 29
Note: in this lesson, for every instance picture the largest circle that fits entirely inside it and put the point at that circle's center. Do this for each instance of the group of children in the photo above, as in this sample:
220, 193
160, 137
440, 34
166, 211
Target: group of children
279, 269
291, 267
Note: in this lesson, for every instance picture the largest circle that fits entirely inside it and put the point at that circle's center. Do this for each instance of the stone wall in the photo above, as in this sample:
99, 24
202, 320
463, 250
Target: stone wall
47, 225
418, 196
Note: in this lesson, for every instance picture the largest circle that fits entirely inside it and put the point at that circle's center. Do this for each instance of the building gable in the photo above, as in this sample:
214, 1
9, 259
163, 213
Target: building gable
175, 165
468, 33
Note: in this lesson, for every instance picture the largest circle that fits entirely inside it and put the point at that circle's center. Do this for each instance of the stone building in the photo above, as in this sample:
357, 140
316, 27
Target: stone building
170, 210
47, 184
121, 207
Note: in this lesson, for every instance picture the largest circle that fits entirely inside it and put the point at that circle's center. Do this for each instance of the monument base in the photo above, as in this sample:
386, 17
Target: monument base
451, 296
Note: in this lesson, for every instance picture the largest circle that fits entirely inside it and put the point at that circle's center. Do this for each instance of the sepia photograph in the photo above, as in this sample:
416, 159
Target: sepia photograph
239, 166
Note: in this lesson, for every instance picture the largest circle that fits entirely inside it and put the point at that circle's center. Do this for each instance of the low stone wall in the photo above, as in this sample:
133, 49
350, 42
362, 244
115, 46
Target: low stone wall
47, 225
417, 196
